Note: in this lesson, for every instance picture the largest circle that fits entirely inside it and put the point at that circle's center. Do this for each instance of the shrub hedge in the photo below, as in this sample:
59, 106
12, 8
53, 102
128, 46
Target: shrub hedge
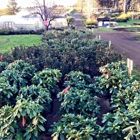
67, 51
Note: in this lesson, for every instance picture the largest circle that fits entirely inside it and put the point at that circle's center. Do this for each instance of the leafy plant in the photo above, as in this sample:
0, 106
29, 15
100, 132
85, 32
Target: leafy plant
7, 92
23, 121
114, 78
114, 123
125, 110
76, 127
19, 73
67, 51
105, 54
3, 66
70, 20
78, 102
37, 94
77, 79
91, 23
48, 78
133, 131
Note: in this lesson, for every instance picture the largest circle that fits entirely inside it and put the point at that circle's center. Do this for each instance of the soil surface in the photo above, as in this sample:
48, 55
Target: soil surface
124, 42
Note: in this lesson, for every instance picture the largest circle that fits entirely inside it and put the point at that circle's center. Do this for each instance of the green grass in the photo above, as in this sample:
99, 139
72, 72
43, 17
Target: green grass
128, 23
10, 41
124, 24
73, 11
104, 29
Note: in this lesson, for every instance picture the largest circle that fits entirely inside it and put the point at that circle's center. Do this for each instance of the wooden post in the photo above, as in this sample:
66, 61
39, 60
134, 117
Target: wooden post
130, 66
99, 37
109, 44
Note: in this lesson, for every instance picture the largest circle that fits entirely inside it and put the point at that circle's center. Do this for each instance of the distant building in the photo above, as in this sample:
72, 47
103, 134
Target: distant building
24, 20
99, 10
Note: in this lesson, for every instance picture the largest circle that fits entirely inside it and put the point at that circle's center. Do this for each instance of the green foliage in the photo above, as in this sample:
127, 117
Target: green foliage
18, 73
73, 11
124, 94
67, 51
70, 20
11, 31
106, 54
23, 121
77, 127
121, 119
78, 99
76, 49
79, 102
23, 103
91, 23
3, 66
114, 78
133, 131
47, 78
38, 94
77, 79
7, 92
122, 18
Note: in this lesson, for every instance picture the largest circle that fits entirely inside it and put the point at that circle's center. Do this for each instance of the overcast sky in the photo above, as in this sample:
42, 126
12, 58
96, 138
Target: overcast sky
28, 3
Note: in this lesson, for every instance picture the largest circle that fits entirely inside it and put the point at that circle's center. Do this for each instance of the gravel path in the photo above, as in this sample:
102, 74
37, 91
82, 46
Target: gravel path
124, 42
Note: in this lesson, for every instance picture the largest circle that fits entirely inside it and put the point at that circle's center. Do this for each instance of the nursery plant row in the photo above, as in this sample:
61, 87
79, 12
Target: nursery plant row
84, 73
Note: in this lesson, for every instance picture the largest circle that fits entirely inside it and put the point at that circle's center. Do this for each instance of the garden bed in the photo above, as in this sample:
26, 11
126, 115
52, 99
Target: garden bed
63, 74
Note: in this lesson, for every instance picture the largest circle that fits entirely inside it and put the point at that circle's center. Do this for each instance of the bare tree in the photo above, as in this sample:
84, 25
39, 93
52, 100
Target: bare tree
47, 11
89, 5
116, 2
125, 6
12, 7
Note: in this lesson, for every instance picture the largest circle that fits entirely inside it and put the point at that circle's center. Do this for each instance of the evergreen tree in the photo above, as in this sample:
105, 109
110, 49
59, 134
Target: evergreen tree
12, 7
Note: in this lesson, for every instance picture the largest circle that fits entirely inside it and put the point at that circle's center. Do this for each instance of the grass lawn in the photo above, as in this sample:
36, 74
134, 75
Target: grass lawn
105, 29
128, 23
122, 24
10, 41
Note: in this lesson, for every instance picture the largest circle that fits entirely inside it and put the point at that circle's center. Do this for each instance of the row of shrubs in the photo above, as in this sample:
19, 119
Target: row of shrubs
26, 94
67, 50
119, 16
17, 32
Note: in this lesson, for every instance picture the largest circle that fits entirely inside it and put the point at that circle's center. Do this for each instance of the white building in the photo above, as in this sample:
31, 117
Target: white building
28, 22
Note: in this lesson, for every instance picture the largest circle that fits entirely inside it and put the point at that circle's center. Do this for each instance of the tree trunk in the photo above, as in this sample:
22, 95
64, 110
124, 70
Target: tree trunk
45, 14
116, 4
124, 6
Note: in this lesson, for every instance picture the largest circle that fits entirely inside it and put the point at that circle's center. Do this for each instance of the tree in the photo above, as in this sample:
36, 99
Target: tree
89, 4
134, 4
116, 2
47, 11
124, 6
12, 7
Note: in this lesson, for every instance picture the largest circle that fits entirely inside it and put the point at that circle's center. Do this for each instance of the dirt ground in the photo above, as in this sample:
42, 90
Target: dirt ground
124, 42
